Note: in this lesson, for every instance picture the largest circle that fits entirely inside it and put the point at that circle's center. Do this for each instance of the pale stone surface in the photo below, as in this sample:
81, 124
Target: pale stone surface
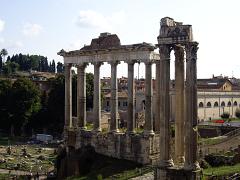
97, 97
131, 98
179, 111
81, 95
148, 128
114, 97
68, 95
165, 159
191, 108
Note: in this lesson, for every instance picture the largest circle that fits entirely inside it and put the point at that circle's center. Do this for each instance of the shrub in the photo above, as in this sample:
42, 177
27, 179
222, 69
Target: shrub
237, 113
225, 115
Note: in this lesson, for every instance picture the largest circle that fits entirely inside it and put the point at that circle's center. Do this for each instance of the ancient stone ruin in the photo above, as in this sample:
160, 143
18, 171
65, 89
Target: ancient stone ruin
152, 146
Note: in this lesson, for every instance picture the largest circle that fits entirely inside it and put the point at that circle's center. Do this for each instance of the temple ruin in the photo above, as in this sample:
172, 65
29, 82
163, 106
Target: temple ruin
153, 145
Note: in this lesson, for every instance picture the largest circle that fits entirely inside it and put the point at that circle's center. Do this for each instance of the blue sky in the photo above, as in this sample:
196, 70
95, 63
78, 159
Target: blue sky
46, 26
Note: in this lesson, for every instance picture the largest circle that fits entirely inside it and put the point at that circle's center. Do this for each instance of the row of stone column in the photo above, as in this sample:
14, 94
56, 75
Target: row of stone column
81, 97
185, 104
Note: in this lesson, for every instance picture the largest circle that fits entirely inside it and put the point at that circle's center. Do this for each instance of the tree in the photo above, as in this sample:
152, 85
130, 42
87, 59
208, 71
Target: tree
4, 53
60, 68
1, 64
89, 90
53, 66
25, 100
5, 90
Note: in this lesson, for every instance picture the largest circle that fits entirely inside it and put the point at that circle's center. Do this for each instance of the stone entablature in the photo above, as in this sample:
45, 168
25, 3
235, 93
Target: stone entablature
143, 52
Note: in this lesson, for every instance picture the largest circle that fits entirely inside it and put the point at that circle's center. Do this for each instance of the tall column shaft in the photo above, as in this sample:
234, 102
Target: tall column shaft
81, 95
157, 96
114, 98
131, 97
165, 160
68, 95
148, 128
191, 108
97, 97
179, 102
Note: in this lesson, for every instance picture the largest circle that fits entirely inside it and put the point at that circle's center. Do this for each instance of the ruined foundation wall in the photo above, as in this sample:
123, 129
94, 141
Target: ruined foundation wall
136, 147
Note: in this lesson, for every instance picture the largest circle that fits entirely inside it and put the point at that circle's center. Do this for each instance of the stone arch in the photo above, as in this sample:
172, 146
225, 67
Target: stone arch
209, 104
229, 104
200, 104
215, 104
222, 104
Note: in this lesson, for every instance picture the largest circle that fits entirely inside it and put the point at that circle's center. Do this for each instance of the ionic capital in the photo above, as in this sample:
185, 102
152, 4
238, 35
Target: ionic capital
97, 64
114, 63
82, 65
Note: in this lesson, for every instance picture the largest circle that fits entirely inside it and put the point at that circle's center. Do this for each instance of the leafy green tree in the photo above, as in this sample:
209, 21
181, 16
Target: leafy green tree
25, 100
4, 53
5, 93
1, 64
10, 67
60, 68
89, 90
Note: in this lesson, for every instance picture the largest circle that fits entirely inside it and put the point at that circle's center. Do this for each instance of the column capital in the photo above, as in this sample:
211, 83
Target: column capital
67, 65
132, 62
114, 63
148, 62
98, 64
191, 50
179, 53
164, 51
82, 65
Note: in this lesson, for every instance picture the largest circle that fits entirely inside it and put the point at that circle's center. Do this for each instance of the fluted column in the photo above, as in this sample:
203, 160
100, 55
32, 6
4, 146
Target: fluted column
179, 104
157, 96
131, 98
165, 160
97, 97
191, 107
114, 98
148, 127
68, 95
81, 95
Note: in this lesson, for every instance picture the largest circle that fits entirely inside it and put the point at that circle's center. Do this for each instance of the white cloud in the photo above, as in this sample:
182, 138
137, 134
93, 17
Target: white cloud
93, 19
2, 23
31, 30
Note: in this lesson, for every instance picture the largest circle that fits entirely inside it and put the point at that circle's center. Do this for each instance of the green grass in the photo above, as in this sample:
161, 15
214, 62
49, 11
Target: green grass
223, 170
209, 141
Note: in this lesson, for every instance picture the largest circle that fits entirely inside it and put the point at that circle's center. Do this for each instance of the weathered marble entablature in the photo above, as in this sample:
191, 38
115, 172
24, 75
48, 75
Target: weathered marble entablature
103, 49
172, 32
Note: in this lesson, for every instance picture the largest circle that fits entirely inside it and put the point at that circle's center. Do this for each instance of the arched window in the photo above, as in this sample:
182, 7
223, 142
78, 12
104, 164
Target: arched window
215, 104
200, 105
209, 105
235, 103
223, 104
229, 104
